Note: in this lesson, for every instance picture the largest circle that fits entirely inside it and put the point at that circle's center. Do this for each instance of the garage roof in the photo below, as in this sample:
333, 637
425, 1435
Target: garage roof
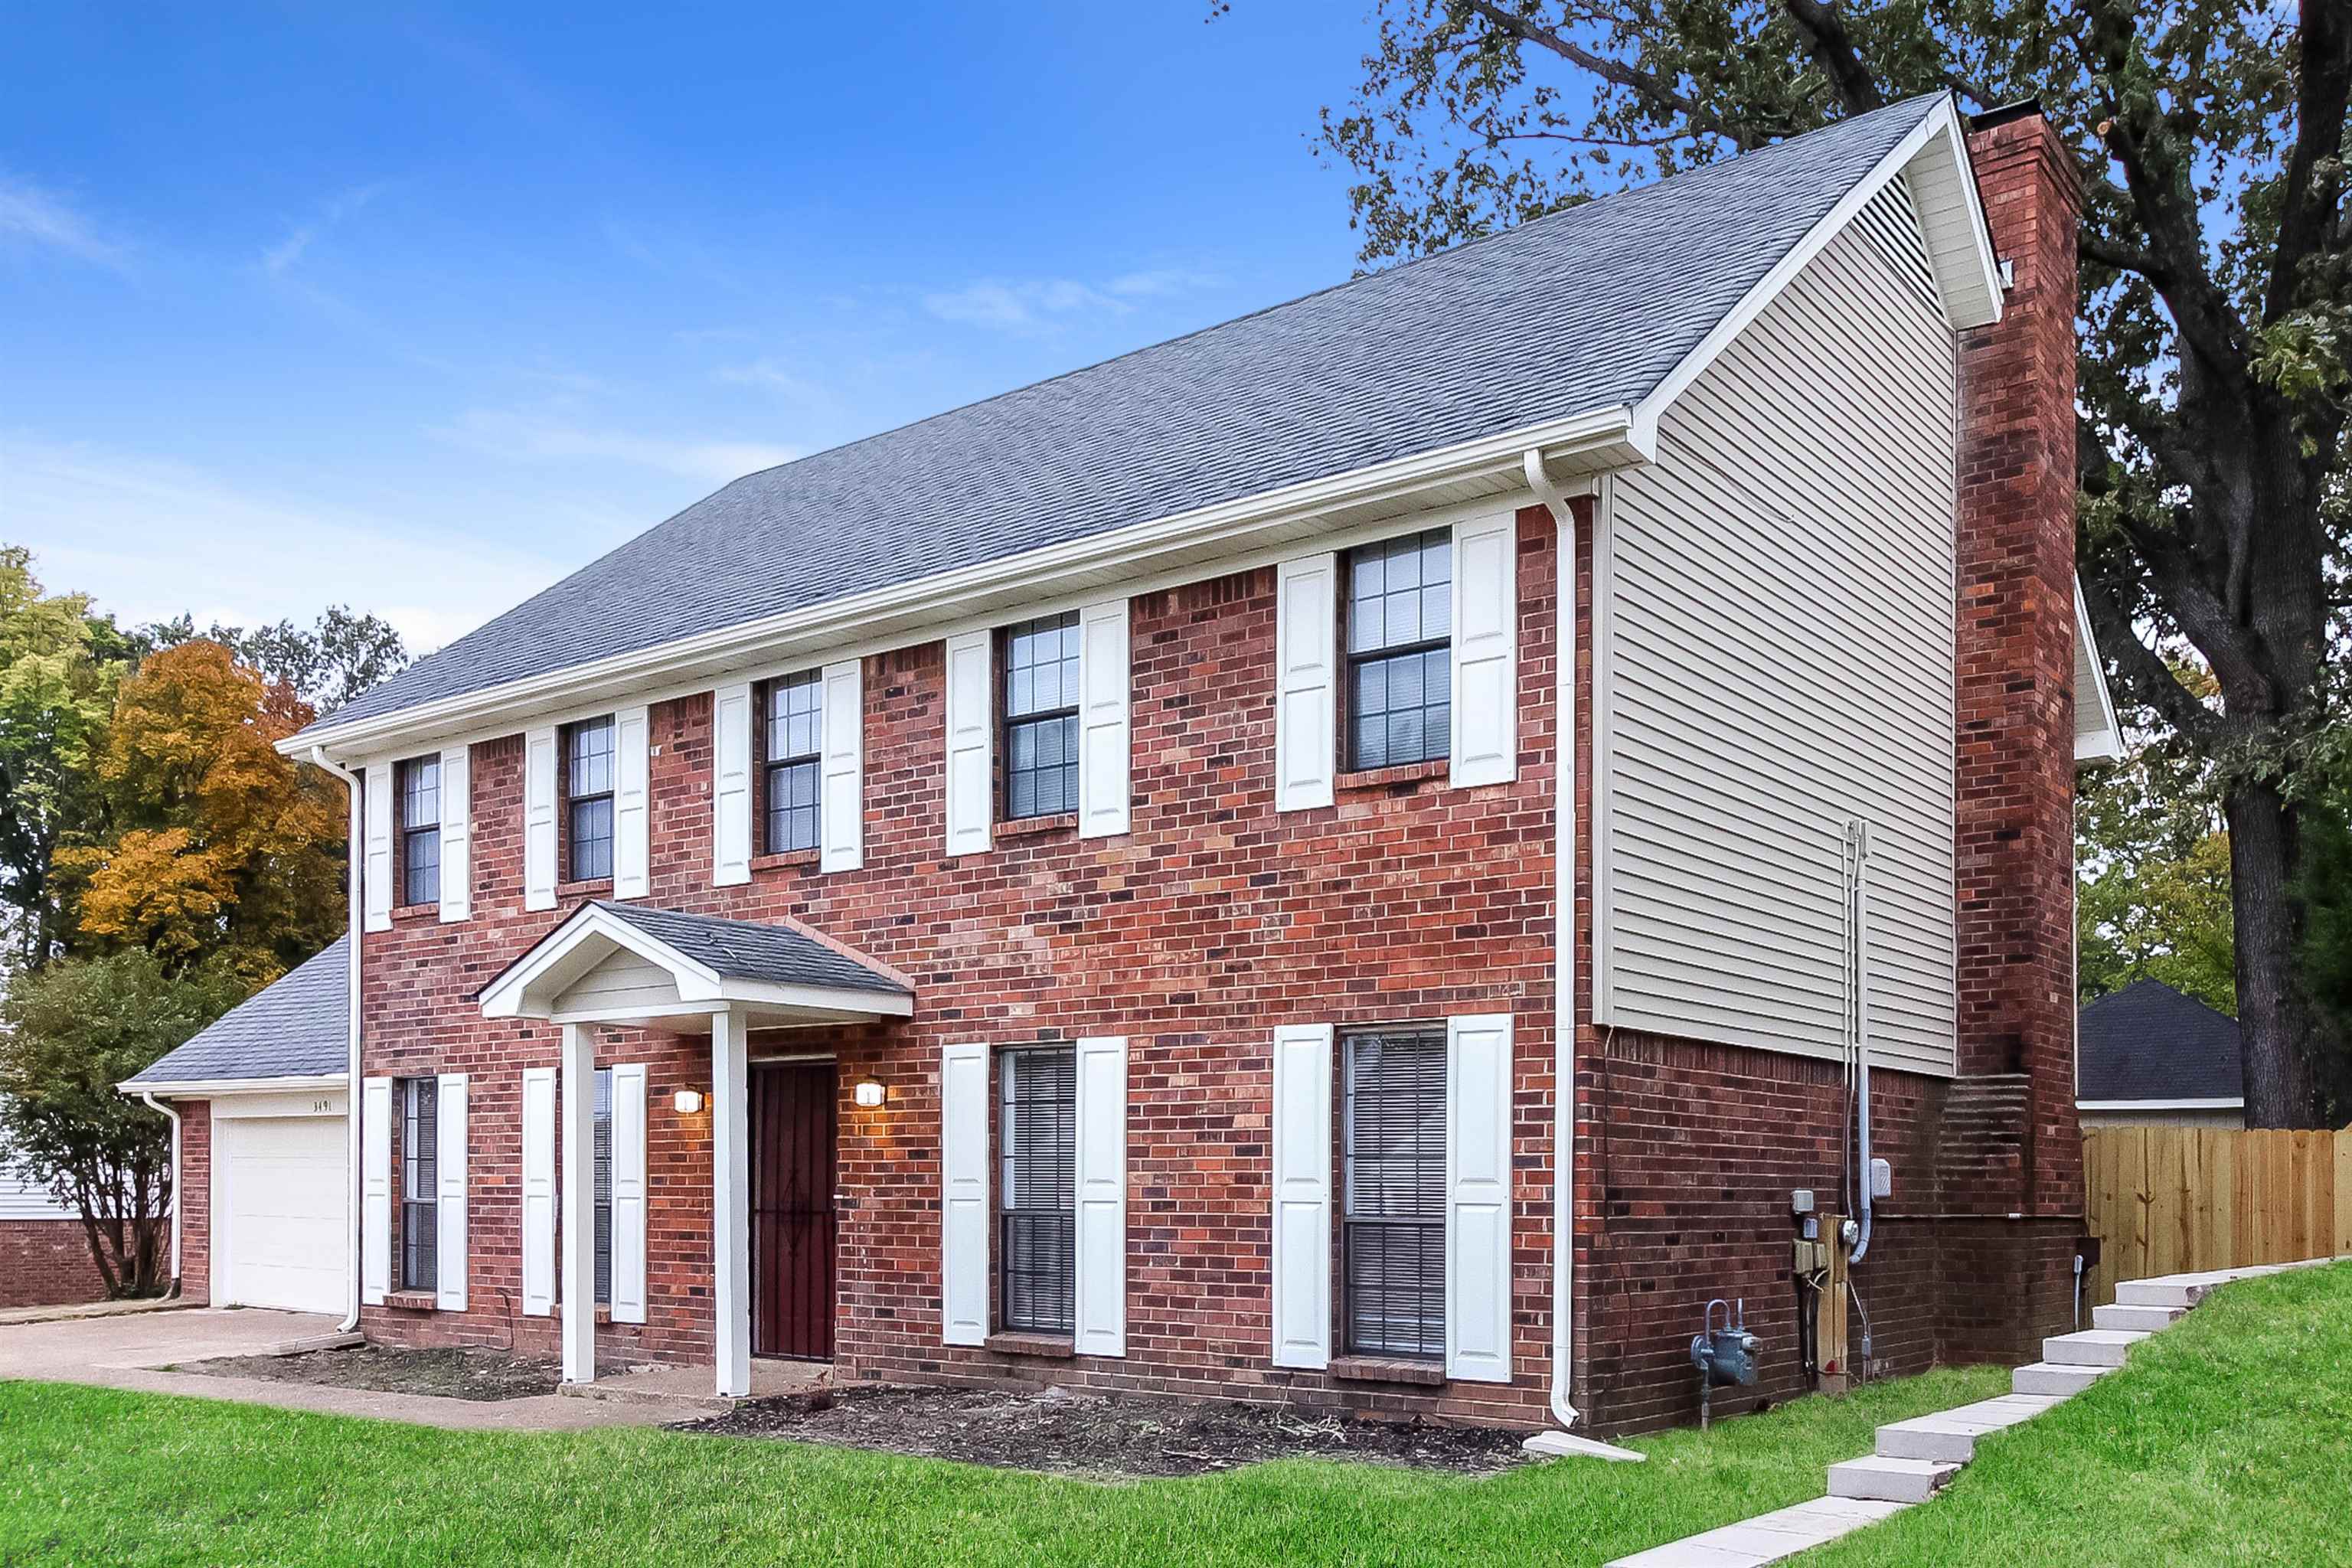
298, 1026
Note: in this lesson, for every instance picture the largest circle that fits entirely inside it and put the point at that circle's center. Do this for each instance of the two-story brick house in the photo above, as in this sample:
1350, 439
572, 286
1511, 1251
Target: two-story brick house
1348, 857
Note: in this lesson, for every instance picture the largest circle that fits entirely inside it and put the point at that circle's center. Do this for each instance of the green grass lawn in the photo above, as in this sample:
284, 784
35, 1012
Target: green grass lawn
2229, 1439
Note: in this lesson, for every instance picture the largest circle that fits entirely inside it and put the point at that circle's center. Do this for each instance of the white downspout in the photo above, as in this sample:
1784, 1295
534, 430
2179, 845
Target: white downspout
1563, 1029
352, 1173
155, 1104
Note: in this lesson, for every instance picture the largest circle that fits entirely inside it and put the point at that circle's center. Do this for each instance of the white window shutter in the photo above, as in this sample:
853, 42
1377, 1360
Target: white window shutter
449, 1158
1103, 726
1478, 1197
971, 742
632, 805
730, 785
457, 834
375, 797
964, 1196
376, 1189
841, 810
1101, 1284
537, 1192
629, 1193
539, 761
1302, 1195
1486, 652
1306, 695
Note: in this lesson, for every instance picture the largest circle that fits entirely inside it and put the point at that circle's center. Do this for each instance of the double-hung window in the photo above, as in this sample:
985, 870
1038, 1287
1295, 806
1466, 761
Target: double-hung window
795, 739
588, 798
603, 1184
1041, 717
1400, 650
1037, 1244
1393, 1150
420, 1180
420, 831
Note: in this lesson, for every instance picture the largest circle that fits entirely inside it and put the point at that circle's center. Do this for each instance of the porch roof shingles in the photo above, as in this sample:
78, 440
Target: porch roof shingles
297, 1026
747, 950
1585, 310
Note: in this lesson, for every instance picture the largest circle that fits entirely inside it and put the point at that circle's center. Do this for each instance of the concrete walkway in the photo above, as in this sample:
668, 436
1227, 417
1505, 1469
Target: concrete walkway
1914, 1460
126, 1352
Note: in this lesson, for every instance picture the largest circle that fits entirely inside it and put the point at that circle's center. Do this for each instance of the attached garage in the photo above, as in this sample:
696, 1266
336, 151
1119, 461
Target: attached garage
282, 1205
261, 1105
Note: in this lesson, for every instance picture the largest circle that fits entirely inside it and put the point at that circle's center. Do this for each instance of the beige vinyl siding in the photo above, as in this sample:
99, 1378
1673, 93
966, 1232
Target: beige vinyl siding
623, 982
1777, 656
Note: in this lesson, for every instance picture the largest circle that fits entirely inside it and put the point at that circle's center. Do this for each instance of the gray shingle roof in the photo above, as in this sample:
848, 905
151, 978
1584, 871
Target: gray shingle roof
746, 949
1587, 308
297, 1026
2148, 1041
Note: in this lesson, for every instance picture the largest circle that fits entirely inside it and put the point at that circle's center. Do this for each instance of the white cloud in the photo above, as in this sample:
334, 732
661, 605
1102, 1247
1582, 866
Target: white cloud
150, 537
31, 214
282, 256
1036, 303
528, 437
1161, 281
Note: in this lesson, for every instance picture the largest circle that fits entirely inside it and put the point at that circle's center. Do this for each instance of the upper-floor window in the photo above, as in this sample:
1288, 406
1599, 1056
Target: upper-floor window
1400, 650
1038, 1189
1393, 1152
420, 1178
420, 831
1041, 717
795, 730
588, 799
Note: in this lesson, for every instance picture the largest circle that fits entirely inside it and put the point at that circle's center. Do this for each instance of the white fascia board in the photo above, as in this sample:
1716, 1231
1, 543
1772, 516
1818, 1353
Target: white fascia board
1583, 442
1938, 133
2215, 1104
223, 1087
2106, 744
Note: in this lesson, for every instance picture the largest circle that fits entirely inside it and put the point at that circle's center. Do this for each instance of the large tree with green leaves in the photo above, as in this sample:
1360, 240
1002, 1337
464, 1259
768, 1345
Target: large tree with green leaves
2217, 327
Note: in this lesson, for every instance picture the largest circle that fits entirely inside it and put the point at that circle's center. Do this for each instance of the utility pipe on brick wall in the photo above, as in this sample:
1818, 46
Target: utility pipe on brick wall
354, 852
155, 1104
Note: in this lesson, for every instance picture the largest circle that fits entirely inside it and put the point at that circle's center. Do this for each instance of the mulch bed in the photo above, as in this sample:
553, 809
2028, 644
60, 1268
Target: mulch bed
1095, 1435
385, 1369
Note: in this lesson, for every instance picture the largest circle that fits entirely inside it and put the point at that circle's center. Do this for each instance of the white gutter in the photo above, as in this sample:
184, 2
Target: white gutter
155, 1104
1563, 1442
352, 1175
228, 1087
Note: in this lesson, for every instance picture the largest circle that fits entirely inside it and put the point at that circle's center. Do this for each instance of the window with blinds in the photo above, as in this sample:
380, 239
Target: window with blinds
1393, 1227
604, 1182
420, 1181
1037, 1190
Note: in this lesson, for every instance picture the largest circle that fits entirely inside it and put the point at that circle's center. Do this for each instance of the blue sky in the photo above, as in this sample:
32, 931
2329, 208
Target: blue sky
418, 311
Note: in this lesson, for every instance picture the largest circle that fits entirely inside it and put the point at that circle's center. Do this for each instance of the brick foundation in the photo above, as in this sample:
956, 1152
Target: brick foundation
47, 1263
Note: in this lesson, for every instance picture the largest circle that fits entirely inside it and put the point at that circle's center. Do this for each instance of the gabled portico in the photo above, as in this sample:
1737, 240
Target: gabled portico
630, 965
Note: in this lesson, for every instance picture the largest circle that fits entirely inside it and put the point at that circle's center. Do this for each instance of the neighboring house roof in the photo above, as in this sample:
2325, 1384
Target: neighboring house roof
297, 1026
1590, 308
2147, 1042
745, 950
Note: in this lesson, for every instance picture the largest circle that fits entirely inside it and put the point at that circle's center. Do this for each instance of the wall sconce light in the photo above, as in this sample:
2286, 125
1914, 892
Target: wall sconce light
688, 1101
870, 1093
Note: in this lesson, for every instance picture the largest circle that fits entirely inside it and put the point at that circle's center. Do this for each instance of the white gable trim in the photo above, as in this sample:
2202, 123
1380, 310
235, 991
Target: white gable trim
2104, 741
1943, 181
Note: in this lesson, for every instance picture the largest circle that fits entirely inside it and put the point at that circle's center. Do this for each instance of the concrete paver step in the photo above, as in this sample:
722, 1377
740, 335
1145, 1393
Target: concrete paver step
1767, 1538
1951, 1434
1890, 1480
2091, 1347
2051, 1378
2172, 1290
2146, 1319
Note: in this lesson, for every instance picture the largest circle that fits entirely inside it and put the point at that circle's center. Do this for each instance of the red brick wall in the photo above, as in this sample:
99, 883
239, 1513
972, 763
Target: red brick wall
195, 1198
47, 1263
1213, 920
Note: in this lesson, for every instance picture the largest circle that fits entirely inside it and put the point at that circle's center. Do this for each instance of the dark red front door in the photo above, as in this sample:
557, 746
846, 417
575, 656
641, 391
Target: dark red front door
792, 1210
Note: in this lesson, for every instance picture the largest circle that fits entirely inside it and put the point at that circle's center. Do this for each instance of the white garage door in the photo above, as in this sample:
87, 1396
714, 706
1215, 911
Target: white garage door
281, 1237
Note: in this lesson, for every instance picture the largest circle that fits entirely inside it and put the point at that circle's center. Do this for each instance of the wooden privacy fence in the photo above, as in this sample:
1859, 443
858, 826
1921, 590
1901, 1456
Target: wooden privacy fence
2171, 1200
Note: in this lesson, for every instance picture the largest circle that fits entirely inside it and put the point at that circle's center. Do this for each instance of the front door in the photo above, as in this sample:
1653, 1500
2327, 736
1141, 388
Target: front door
791, 1209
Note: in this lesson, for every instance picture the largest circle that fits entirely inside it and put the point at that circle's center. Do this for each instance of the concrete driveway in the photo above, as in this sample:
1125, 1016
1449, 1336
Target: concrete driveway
126, 1352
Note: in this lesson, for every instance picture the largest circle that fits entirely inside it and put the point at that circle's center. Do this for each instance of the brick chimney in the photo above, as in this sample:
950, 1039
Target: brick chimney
2012, 1145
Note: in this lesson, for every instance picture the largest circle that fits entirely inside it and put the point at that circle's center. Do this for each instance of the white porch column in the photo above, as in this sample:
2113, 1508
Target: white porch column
731, 1210
577, 1136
